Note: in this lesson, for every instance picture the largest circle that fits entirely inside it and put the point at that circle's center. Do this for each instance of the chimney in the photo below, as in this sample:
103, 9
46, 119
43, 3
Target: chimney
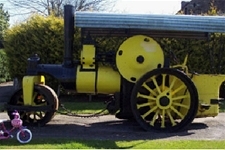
68, 36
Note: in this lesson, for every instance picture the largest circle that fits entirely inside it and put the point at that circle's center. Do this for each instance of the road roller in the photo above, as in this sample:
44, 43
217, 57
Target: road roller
145, 86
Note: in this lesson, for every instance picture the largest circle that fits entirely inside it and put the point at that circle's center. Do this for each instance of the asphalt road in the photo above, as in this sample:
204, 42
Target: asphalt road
109, 127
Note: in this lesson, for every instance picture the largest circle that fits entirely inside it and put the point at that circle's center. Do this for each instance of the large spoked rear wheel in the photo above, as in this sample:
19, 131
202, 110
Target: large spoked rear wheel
42, 96
164, 99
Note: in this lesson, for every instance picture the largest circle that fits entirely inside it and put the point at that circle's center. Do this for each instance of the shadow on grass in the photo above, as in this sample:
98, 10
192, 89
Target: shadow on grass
61, 143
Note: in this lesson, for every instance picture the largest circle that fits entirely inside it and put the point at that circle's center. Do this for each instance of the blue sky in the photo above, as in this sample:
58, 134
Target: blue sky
121, 6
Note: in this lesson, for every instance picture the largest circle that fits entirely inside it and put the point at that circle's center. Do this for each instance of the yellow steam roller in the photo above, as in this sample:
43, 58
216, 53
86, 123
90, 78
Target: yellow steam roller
145, 86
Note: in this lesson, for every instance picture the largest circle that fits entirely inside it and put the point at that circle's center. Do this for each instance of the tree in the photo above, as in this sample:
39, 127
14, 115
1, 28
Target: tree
48, 7
4, 23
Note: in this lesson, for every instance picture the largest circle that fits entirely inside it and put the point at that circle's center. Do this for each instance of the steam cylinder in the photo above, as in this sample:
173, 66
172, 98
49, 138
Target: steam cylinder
104, 80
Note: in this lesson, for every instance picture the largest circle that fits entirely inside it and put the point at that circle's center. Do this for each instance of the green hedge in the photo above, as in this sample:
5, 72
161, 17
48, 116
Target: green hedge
4, 74
206, 56
38, 35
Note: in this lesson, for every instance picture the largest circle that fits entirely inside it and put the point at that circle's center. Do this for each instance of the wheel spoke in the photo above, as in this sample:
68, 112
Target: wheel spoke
146, 96
163, 119
149, 89
181, 105
173, 82
150, 111
154, 118
163, 81
35, 117
27, 116
145, 104
171, 118
177, 112
178, 89
156, 85
40, 115
179, 97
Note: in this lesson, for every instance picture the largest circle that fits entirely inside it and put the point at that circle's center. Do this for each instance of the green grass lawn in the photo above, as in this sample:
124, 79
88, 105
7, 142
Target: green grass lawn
83, 107
55, 143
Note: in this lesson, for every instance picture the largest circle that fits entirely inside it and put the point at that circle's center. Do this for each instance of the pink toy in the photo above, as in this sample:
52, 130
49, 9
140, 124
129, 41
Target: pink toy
24, 135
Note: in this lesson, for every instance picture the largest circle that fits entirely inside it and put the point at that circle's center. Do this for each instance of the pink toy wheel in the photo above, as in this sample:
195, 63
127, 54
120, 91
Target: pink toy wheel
24, 136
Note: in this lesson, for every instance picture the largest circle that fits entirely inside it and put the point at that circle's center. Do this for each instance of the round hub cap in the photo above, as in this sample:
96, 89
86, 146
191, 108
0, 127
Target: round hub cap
164, 101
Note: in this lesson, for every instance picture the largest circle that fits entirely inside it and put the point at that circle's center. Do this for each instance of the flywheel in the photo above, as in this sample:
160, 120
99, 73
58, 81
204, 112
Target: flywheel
164, 99
138, 54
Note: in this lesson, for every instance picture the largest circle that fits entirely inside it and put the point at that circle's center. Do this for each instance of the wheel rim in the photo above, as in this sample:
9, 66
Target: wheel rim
164, 99
24, 136
42, 96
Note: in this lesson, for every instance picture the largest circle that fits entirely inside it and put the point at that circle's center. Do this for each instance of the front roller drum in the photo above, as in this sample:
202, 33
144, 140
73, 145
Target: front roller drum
43, 97
164, 99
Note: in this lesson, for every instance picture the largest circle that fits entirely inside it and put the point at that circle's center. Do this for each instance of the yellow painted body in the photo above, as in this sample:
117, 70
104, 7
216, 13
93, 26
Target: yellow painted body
88, 57
131, 49
105, 80
28, 87
208, 86
94, 79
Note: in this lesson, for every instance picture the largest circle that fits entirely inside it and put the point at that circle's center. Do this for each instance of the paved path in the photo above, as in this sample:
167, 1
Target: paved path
110, 128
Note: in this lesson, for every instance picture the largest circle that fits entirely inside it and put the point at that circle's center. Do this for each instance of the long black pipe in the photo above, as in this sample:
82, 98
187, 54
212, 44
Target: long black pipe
68, 36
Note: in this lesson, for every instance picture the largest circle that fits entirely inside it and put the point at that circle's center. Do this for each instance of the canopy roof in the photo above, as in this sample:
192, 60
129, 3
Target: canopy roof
164, 25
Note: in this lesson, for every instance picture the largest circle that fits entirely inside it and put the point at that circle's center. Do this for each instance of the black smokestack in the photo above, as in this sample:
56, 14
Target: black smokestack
68, 35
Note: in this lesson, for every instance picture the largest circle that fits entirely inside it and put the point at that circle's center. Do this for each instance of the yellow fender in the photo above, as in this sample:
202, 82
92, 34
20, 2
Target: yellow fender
28, 87
208, 89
